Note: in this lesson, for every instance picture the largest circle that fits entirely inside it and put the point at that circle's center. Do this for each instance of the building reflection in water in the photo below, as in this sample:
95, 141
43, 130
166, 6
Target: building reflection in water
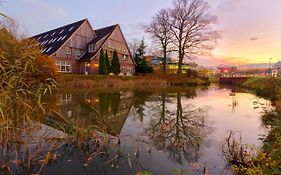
106, 112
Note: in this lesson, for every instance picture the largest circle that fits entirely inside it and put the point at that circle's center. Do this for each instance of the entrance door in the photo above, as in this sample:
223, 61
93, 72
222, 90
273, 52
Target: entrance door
87, 68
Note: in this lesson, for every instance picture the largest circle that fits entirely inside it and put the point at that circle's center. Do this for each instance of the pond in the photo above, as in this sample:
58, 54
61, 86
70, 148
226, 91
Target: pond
170, 131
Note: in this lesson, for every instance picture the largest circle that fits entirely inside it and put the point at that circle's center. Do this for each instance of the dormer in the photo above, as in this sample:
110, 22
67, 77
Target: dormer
92, 48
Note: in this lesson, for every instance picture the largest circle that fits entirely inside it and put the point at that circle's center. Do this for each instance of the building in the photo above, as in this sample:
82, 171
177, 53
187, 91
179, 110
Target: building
157, 64
76, 47
227, 71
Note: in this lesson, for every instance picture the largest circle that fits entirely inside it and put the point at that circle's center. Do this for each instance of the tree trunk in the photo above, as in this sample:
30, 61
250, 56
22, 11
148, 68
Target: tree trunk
165, 61
180, 63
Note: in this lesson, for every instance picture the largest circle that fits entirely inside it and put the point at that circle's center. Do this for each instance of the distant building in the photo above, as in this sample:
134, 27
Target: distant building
227, 71
206, 71
76, 47
172, 66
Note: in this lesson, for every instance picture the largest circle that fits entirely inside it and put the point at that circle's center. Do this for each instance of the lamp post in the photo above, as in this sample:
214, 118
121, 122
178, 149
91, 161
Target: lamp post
269, 68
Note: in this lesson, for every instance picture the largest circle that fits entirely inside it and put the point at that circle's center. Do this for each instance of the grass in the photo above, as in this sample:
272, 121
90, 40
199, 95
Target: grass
145, 81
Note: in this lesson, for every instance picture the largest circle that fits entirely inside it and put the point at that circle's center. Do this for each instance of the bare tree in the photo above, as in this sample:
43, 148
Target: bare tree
191, 27
159, 29
133, 46
2, 14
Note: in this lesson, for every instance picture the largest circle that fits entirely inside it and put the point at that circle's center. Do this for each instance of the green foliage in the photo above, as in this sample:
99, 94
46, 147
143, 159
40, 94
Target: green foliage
115, 64
180, 171
102, 64
141, 66
144, 173
107, 63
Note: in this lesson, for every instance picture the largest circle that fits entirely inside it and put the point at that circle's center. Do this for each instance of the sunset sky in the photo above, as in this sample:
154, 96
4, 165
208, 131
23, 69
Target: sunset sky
250, 29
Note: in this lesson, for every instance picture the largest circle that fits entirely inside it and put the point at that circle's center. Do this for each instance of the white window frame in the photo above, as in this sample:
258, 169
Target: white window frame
68, 51
64, 66
78, 52
92, 48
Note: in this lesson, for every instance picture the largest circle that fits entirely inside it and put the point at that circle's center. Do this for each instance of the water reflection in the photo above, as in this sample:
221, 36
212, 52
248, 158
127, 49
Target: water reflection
179, 131
153, 131
105, 112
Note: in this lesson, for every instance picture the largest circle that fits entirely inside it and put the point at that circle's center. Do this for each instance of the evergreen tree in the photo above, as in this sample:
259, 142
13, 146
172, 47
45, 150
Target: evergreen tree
142, 66
107, 63
102, 64
115, 65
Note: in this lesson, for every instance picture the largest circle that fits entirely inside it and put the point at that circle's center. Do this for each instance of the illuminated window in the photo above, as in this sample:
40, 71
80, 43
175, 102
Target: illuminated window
53, 34
125, 57
61, 31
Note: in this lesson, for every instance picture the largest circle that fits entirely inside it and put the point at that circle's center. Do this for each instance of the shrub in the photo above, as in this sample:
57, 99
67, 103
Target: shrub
115, 64
191, 73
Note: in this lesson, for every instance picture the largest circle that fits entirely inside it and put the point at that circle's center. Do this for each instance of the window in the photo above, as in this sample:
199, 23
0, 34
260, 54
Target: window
46, 36
92, 48
68, 51
66, 99
39, 38
71, 28
63, 37
60, 38
61, 31
54, 39
64, 66
48, 49
125, 57
43, 50
78, 53
53, 34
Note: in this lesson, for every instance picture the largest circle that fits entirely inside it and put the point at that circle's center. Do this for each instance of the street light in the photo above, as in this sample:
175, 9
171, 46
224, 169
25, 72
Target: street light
269, 68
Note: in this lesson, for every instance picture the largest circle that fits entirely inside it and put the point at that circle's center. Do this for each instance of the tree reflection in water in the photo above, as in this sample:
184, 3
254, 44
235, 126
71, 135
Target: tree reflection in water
180, 131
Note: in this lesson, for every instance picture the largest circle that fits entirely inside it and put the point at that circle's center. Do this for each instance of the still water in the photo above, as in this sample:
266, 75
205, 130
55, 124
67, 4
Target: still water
172, 131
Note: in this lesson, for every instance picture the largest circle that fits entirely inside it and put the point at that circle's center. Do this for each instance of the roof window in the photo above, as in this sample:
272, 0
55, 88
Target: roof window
54, 39
49, 49
43, 50
63, 37
71, 28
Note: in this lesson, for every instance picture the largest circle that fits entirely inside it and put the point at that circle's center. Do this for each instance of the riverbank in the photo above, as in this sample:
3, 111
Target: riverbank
268, 160
140, 81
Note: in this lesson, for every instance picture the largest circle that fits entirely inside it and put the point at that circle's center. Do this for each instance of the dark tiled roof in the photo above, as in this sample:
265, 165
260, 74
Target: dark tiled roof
52, 40
100, 33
